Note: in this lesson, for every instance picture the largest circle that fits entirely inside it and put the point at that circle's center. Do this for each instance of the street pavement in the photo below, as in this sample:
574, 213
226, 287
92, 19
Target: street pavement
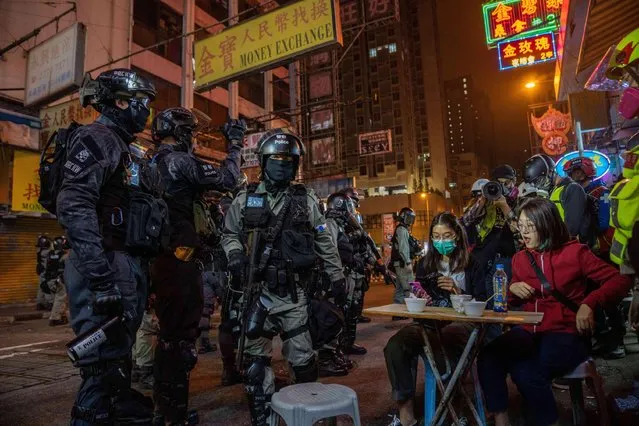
38, 382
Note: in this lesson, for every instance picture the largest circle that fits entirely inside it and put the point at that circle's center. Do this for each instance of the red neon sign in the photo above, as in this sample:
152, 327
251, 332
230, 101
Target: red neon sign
508, 19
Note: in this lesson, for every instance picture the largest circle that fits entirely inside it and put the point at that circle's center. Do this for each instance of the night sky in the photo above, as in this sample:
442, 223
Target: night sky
464, 51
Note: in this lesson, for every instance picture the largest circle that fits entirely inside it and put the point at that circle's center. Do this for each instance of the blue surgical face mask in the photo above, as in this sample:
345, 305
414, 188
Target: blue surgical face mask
445, 247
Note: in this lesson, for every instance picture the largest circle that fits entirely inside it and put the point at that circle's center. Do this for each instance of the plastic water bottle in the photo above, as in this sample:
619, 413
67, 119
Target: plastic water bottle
500, 289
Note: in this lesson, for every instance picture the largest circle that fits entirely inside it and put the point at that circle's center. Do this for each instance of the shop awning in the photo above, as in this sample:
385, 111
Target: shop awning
19, 130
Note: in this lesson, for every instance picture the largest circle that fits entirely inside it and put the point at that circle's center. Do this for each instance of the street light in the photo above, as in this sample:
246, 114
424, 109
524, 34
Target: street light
530, 85
422, 195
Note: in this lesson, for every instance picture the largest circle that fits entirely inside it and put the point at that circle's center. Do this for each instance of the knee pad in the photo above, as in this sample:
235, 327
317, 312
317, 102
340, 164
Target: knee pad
256, 371
306, 373
257, 317
115, 375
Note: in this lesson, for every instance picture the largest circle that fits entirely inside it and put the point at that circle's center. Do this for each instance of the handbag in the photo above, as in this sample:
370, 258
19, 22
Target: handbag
562, 298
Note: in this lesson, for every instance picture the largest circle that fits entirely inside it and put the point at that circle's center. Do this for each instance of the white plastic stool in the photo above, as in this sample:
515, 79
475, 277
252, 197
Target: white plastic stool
306, 403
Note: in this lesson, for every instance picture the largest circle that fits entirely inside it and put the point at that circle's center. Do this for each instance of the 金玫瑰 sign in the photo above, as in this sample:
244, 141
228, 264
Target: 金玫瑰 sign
527, 51
26, 182
266, 40
509, 19
56, 66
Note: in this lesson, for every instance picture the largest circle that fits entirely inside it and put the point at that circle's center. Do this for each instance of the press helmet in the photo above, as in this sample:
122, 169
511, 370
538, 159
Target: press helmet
584, 164
406, 216
504, 171
115, 84
539, 170
477, 187
180, 123
280, 142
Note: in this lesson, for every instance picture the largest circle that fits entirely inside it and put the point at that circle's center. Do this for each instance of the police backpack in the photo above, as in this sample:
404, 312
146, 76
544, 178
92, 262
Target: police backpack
51, 169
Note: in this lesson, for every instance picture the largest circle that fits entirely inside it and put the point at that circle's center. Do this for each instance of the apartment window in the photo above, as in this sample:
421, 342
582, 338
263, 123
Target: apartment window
397, 113
252, 89
395, 79
155, 22
376, 116
392, 48
391, 32
379, 167
372, 53
357, 72
356, 57
216, 8
360, 120
373, 68
395, 96
358, 88
362, 170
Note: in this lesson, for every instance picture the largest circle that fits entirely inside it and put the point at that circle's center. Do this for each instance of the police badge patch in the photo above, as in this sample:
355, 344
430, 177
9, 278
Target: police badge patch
82, 155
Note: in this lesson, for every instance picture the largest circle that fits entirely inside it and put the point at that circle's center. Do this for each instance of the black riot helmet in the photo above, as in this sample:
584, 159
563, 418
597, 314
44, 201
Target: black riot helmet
179, 123
43, 242
120, 84
406, 216
60, 243
539, 171
340, 202
503, 171
277, 144
352, 194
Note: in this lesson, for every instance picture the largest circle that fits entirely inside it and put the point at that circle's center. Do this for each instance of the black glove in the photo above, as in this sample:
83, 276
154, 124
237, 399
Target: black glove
236, 262
380, 268
338, 289
108, 299
234, 131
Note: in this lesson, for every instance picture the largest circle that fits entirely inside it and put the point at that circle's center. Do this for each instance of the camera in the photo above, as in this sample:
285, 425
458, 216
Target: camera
493, 191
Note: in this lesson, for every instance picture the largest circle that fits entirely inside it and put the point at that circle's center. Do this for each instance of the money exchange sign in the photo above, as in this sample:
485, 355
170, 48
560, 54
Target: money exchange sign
266, 41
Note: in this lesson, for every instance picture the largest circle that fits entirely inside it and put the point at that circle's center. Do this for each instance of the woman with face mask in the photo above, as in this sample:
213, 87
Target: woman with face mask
448, 268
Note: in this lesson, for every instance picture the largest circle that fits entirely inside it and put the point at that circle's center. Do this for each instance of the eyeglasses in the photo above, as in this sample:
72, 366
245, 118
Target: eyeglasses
526, 228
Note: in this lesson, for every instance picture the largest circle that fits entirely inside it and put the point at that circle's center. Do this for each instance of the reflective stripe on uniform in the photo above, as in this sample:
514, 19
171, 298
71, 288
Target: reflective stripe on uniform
555, 197
617, 250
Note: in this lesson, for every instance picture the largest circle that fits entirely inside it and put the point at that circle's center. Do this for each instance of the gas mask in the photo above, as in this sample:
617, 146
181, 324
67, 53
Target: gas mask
133, 118
280, 171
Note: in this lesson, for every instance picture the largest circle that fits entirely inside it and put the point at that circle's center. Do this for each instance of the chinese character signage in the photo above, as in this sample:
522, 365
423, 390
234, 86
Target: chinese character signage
602, 162
374, 10
379, 142
60, 116
323, 151
249, 155
320, 85
553, 127
321, 119
520, 18
527, 51
388, 227
55, 67
26, 182
265, 41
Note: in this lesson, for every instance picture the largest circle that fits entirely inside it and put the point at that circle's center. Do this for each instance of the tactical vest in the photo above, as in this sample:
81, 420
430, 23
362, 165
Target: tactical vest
293, 247
132, 215
624, 212
346, 249
413, 246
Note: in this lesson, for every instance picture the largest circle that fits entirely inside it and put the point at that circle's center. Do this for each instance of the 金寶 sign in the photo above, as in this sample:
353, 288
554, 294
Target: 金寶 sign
507, 19
266, 40
601, 161
375, 142
527, 51
26, 182
56, 66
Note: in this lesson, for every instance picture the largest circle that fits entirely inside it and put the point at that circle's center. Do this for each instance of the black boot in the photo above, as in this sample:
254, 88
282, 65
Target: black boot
341, 359
327, 365
363, 320
355, 349
230, 375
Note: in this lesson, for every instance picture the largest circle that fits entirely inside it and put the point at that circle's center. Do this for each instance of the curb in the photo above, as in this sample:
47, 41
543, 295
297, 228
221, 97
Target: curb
27, 316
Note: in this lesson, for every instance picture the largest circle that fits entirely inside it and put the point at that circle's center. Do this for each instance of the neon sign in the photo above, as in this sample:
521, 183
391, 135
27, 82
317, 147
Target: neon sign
527, 51
602, 162
507, 19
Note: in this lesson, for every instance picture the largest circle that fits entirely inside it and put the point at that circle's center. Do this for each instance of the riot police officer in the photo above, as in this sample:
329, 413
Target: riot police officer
54, 273
290, 231
106, 200
44, 297
402, 254
175, 275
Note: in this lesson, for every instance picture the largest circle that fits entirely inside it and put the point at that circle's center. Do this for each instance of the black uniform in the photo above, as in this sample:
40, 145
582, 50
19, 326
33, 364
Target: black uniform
175, 275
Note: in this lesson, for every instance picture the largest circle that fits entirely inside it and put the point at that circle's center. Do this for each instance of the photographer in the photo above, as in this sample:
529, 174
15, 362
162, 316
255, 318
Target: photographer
448, 268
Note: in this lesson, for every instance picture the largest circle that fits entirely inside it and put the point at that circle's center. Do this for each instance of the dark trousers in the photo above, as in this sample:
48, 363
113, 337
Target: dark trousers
404, 348
532, 360
178, 306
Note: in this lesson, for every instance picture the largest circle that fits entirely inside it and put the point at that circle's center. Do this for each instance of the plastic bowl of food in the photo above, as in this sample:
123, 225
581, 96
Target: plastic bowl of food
415, 304
457, 300
473, 308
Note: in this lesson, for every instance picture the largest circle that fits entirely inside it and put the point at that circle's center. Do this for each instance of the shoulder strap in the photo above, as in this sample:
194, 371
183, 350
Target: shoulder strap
562, 298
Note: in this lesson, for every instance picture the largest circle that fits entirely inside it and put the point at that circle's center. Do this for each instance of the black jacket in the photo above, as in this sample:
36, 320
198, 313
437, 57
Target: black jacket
474, 278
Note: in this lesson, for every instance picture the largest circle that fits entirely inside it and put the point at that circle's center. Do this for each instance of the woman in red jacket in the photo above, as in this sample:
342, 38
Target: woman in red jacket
534, 355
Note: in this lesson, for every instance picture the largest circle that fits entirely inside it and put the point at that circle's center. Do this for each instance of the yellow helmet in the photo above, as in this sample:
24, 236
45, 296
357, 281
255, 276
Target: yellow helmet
626, 54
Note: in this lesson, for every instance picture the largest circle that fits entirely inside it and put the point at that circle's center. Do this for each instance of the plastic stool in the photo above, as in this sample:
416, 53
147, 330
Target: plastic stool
587, 370
306, 403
